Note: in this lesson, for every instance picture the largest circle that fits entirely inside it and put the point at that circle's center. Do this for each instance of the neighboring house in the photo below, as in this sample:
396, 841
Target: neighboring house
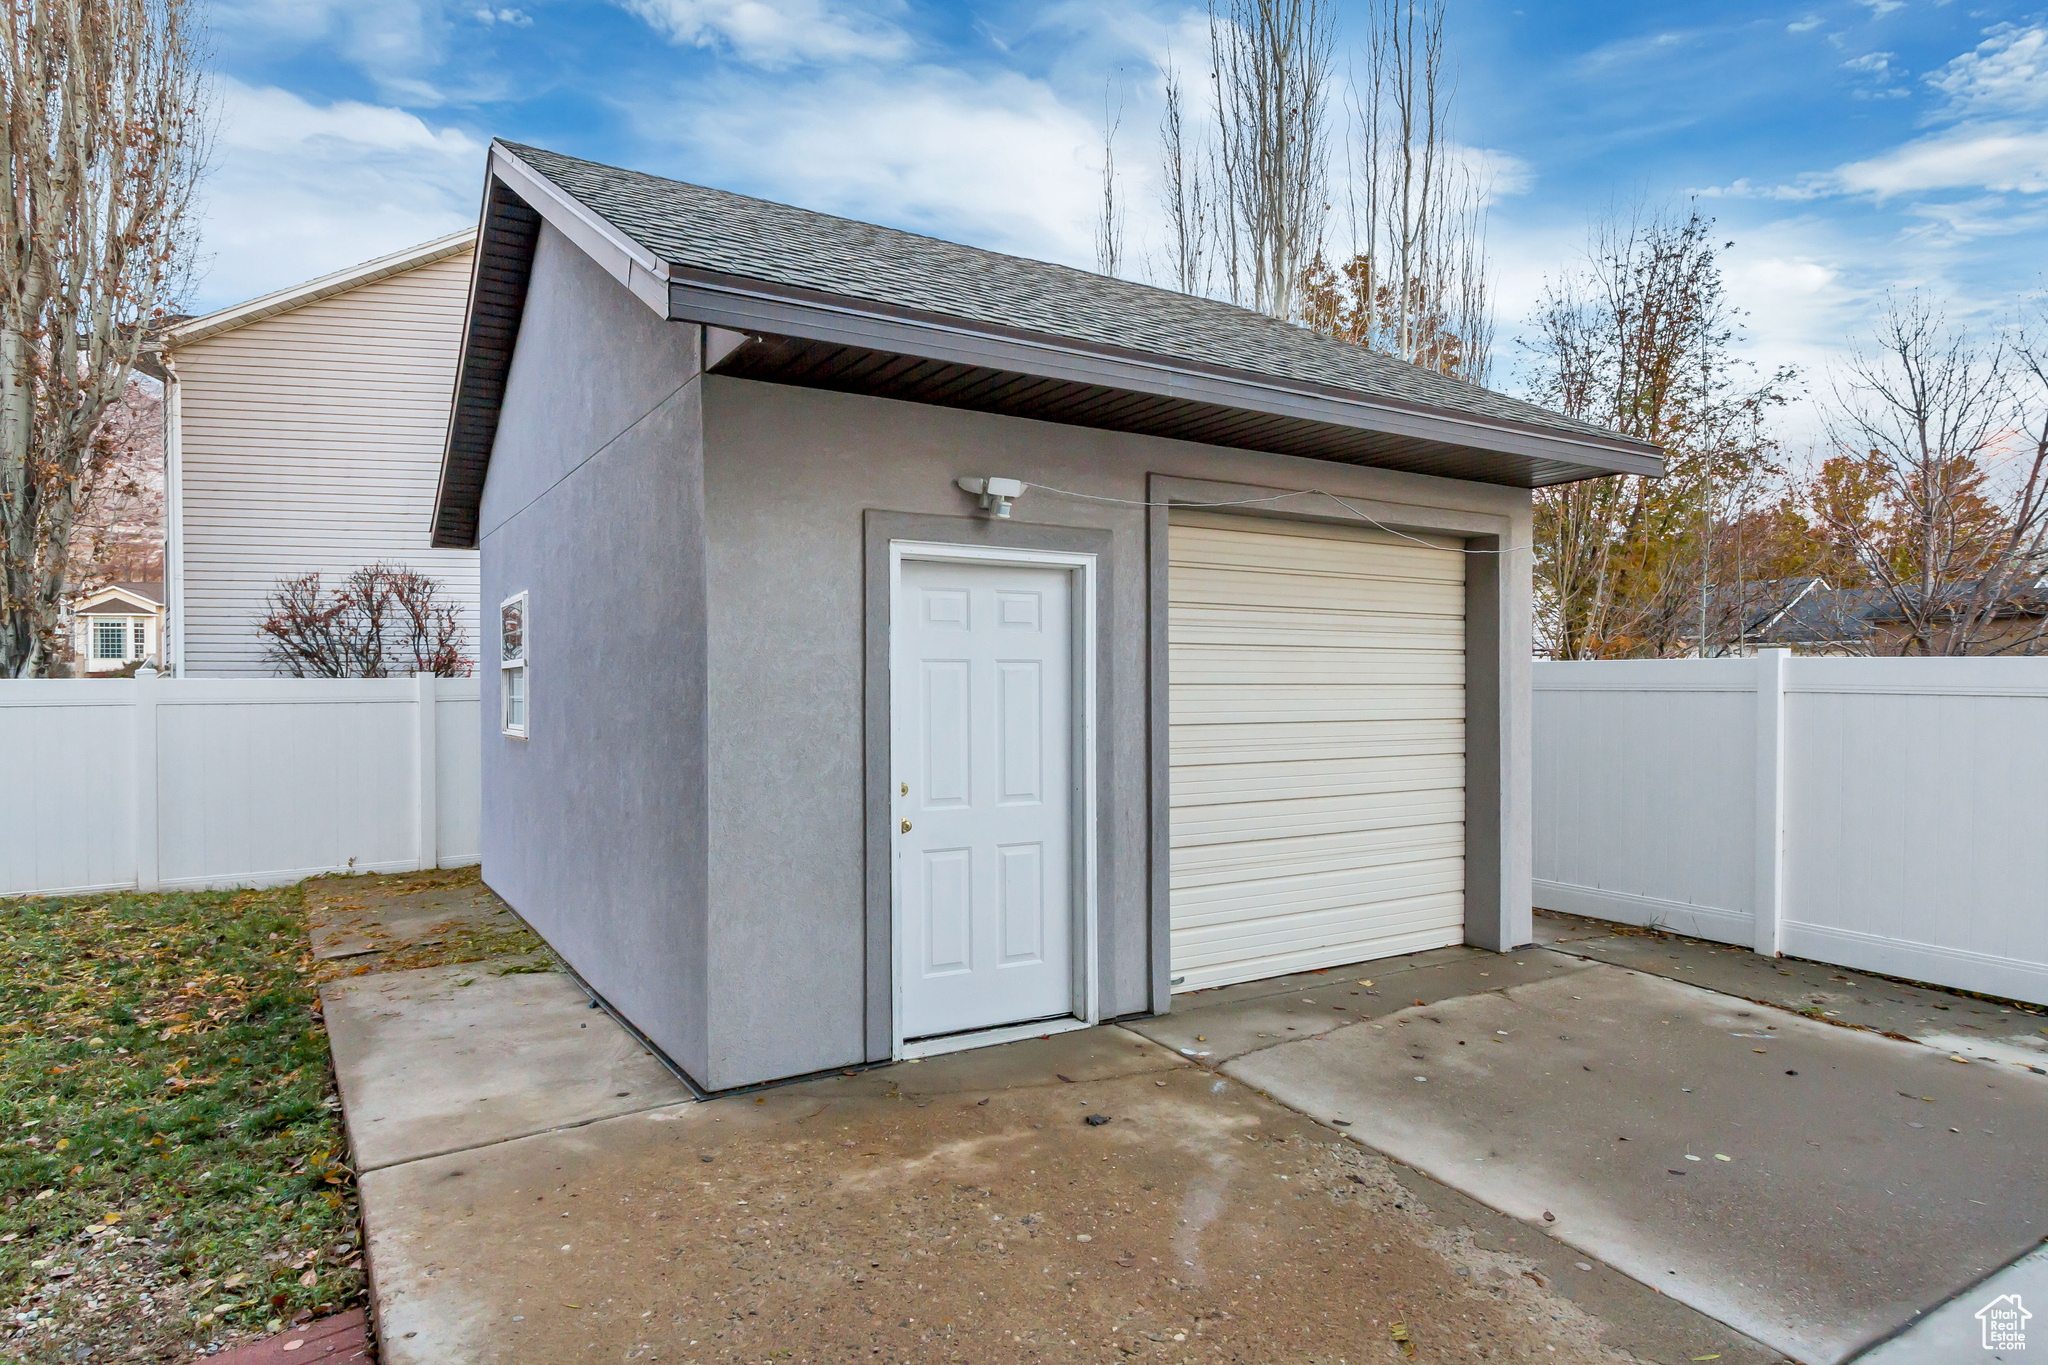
303, 434
1809, 616
806, 755
121, 624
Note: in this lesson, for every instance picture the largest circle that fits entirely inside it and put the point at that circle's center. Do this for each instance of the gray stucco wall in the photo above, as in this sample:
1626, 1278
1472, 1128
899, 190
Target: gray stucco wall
594, 827
788, 474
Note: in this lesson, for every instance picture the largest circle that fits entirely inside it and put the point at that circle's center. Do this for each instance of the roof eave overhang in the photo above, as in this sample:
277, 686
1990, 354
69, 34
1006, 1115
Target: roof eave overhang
327, 286
748, 306
752, 308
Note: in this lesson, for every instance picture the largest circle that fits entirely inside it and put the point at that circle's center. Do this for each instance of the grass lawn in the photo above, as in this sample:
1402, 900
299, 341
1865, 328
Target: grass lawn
171, 1148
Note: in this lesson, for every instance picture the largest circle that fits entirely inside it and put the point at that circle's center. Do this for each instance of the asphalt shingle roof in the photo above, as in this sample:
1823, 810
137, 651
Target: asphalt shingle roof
714, 230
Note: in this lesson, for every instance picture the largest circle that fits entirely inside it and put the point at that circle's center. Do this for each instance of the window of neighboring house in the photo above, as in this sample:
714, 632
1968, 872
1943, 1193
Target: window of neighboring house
512, 663
141, 641
110, 641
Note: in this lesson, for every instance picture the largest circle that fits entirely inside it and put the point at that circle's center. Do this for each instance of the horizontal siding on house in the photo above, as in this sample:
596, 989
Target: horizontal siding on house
312, 444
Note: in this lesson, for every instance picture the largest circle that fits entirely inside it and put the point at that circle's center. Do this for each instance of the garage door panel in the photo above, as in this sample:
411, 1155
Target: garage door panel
1245, 822
1280, 897
1347, 597
1222, 864
1279, 703
1307, 943
1316, 685
1196, 745
1250, 666
1223, 783
1222, 538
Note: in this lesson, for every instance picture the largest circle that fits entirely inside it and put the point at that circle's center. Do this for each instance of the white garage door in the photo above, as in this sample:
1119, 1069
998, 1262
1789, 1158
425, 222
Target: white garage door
1317, 687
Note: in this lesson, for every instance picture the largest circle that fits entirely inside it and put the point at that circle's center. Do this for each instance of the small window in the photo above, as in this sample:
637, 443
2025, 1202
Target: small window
110, 641
141, 641
512, 664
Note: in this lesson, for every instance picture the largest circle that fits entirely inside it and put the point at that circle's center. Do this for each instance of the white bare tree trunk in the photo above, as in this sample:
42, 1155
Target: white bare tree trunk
102, 144
1271, 61
1419, 279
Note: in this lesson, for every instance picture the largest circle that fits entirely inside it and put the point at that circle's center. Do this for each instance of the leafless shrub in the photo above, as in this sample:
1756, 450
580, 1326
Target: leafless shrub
385, 620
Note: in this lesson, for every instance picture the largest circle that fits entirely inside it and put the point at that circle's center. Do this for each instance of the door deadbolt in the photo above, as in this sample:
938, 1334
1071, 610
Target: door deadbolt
906, 788
906, 827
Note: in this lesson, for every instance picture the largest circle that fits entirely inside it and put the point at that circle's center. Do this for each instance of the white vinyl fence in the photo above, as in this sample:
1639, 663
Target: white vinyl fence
1884, 814
162, 784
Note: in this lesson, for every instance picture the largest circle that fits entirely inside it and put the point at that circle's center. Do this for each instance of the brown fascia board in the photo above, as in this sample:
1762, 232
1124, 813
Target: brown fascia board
749, 306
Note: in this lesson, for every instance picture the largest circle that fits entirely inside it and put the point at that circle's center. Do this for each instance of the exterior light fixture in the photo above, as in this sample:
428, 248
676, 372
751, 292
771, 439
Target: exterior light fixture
996, 494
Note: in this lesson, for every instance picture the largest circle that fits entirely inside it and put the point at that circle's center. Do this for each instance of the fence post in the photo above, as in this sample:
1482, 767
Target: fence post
147, 875
427, 761
1769, 899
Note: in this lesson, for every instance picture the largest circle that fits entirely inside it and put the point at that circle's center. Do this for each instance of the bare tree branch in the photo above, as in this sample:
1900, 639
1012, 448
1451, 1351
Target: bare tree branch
1109, 223
1184, 194
1947, 441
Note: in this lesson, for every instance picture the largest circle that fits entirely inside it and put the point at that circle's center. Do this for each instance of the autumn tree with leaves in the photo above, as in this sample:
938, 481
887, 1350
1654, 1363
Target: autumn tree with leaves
1640, 339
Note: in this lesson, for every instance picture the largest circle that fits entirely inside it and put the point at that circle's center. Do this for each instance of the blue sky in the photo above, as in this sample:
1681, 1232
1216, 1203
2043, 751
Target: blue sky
1845, 148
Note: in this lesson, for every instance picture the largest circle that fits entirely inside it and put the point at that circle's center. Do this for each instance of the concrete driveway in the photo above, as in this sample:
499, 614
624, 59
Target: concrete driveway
1454, 1156
1815, 1186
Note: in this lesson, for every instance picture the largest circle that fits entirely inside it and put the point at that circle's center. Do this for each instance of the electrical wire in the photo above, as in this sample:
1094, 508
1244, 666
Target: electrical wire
1277, 497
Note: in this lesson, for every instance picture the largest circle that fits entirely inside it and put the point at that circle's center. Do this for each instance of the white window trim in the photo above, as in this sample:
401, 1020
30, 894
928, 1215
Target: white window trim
508, 667
110, 622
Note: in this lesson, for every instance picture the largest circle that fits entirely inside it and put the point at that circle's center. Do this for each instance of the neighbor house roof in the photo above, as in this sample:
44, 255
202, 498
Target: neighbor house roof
327, 286
828, 302
121, 599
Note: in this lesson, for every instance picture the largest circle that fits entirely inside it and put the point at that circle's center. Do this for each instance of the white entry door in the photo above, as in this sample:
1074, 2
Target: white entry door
982, 694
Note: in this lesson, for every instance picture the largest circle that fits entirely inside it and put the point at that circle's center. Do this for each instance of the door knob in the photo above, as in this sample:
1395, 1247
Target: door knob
906, 827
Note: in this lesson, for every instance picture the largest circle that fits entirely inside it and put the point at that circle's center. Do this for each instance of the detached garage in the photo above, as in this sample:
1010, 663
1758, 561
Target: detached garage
904, 647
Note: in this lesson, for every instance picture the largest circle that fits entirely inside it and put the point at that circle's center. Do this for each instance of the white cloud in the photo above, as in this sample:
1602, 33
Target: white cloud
1880, 8
2006, 159
1805, 24
299, 189
774, 32
2007, 73
514, 17
1990, 143
995, 160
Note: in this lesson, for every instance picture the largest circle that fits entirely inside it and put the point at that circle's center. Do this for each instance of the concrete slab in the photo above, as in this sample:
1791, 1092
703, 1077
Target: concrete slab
1955, 1331
1230, 1021
2010, 1034
354, 916
1608, 1100
964, 1209
444, 1058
